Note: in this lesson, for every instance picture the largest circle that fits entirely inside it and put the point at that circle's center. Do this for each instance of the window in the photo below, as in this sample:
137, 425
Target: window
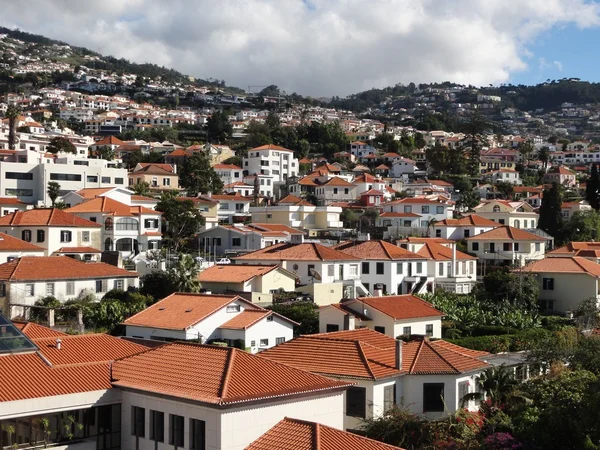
30, 290
380, 329
399, 269
439, 210
65, 177
463, 389
516, 246
335, 190
389, 397
441, 269
85, 236
18, 192
332, 327
50, 289
279, 340
467, 233
65, 236
548, 284
408, 209
106, 180
429, 330
119, 284
496, 208
365, 268
475, 246
18, 176
232, 308
419, 267
127, 224
506, 246
311, 268
406, 331
176, 430
26, 235
354, 269
70, 288
99, 286
108, 223
94, 179
379, 268
252, 343
264, 342
138, 421
197, 434
433, 397
356, 402
538, 247
330, 270
157, 426
424, 209
236, 242
119, 181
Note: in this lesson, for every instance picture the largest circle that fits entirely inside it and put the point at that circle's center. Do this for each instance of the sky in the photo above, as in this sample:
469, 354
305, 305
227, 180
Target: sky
332, 47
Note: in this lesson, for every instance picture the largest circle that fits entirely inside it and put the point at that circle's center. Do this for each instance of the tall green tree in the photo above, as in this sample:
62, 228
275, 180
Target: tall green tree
185, 274
140, 188
592, 188
496, 384
53, 191
12, 114
543, 155
105, 152
505, 189
218, 127
550, 211
198, 177
474, 142
526, 149
60, 144
181, 220
468, 198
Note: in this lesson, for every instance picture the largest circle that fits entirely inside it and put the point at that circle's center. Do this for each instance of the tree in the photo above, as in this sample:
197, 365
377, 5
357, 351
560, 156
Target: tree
197, 176
60, 144
468, 198
256, 190
583, 226
140, 188
159, 284
474, 141
515, 288
419, 140
349, 218
526, 149
543, 155
305, 313
105, 152
12, 114
550, 211
496, 384
181, 218
53, 191
185, 274
505, 189
592, 188
218, 127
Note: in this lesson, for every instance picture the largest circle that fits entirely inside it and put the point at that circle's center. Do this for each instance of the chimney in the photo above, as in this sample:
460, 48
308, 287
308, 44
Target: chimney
51, 318
58, 343
399, 346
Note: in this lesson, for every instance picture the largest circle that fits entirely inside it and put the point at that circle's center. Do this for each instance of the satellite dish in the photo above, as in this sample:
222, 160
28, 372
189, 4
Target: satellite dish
316, 275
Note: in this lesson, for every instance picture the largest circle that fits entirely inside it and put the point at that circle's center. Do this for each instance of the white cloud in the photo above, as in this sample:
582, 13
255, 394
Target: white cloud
325, 47
558, 65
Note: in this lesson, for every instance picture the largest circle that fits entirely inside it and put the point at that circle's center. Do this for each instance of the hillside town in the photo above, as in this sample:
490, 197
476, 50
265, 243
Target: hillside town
190, 266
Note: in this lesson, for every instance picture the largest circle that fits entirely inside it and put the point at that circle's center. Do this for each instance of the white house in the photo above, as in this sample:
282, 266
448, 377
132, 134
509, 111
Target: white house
51, 229
393, 315
335, 189
504, 176
507, 245
459, 229
210, 318
430, 378
430, 209
12, 248
229, 173
388, 268
272, 160
403, 166
565, 281
231, 208
25, 280
517, 214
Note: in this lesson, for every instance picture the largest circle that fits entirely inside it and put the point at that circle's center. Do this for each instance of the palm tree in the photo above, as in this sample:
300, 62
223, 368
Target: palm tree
53, 191
12, 114
497, 384
430, 225
185, 274
544, 156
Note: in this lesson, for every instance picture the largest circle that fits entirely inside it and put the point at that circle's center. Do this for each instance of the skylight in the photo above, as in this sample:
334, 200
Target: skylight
12, 340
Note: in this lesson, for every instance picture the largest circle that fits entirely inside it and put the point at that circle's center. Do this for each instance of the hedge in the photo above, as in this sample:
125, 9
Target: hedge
503, 343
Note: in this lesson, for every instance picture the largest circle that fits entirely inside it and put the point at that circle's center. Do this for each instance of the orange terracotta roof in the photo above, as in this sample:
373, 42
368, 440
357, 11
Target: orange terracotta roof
293, 200
78, 250
11, 201
305, 161
337, 181
215, 375
300, 252
399, 307
167, 167
45, 217
472, 220
270, 147
275, 227
9, 243
33, 268
574, 264
233, 273
36, 331
108, 205
109, 140
572, 248
398, 214
155, 169
377, 250
506, 232
143, 198
88, 193
436, 357
437, 252
424, 240
245, 319
294, 434
181, 311
227, 166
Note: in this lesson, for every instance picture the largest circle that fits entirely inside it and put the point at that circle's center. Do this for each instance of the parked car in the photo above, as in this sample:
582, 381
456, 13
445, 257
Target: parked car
224, 261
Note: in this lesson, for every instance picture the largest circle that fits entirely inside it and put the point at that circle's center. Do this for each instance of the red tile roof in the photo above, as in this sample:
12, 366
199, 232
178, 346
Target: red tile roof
472, 220
398, 214
573, 248
9, 243
399, 306
155, 169
11, 201
227, 166
275, 227
35, 331
245, 319
181, 311
270, 147
506, 232
574, 264
109, 140
233, 273
45, 217
376, 250
337, 181
78, 250
300, 252
34, 268
293, 200
437, 252
216, 375
92, 192
294, 434
107, 205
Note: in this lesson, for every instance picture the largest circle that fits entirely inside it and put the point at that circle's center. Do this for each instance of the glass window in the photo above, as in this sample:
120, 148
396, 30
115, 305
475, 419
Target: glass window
30, 289
85, 236
379, 268
424, 209
26, 235
50, 289
331, 270
128, 224
441, 269
18, 192
106, 180
380, 329
119, 284
41, 235
419, 267
389, 397
406, 331
429, 330
176, 430
356, 402
99, 285
65, 177
70, 288
433, 397
233, 308
475, 246
548, 284
439, 210
18, 176
65, 236
236, 242
399, 269
119, 181
365, 267
279, 340
197, 434
157, 426
264, 342
93, 178
138, 421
